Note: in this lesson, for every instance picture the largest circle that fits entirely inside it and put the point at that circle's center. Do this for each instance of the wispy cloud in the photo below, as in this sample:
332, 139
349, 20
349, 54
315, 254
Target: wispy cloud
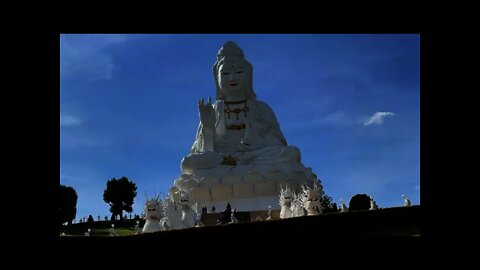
335, 119
377, 118
69, 121
87, 56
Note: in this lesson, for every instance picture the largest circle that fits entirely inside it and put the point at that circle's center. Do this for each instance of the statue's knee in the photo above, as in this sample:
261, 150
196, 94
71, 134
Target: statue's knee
201, 160
294, 152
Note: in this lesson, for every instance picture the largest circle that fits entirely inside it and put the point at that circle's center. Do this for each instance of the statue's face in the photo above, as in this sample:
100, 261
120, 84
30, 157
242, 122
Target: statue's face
287, 196
233, 77
152, 208
185, 202
287, 199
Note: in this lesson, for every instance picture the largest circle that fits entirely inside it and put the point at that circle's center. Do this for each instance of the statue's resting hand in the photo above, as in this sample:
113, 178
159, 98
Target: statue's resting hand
203, 160
207, 113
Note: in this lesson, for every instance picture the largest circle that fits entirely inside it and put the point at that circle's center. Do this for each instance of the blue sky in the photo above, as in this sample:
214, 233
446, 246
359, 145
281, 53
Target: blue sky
351, 103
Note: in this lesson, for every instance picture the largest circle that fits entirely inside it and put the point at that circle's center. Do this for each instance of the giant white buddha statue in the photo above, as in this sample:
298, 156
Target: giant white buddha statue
239, 155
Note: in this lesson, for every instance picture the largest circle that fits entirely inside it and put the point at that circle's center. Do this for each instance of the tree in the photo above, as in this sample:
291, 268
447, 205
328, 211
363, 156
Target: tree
90, 218
226, 216
119, 194
68, 204
335, 208
327, 205
359, 202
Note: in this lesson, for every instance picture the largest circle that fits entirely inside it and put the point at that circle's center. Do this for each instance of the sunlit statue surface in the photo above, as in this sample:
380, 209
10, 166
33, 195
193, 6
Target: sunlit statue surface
239, 154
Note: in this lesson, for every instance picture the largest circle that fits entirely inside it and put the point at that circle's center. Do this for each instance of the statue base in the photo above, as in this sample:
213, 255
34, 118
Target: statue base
246, 188
247, 204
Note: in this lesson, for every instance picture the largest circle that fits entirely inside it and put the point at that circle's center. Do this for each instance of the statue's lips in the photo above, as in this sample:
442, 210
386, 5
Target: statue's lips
233, 84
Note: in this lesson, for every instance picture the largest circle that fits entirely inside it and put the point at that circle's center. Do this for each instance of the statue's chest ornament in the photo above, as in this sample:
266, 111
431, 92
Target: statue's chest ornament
236, 111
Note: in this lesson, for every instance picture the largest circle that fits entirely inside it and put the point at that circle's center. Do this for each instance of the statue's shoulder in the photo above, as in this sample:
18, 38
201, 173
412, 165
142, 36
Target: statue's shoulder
262, 106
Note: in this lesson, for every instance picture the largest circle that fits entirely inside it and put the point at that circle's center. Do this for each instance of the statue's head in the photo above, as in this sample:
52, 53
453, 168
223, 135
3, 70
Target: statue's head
184, 198
312, 194
153, 208
233, 73
286, 195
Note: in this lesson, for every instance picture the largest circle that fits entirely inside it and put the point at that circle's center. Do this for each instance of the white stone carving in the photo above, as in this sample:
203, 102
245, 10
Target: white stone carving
343, 207
406, 201
153, 214
286, 198
373, 204
311, 199
297, 205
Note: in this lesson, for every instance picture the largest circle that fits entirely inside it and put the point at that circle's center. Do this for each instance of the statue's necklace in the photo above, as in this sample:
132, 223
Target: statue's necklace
237, 110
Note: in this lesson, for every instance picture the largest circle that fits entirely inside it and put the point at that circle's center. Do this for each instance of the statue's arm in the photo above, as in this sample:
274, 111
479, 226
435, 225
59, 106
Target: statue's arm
270, 123
208, 139
206, 129
204, 140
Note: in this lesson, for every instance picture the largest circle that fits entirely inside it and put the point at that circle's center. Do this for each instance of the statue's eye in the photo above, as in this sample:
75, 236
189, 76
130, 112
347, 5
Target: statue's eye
225, 73
239, 71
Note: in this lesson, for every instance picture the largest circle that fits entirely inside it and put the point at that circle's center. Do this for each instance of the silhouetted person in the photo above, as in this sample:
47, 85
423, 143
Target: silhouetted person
228, 208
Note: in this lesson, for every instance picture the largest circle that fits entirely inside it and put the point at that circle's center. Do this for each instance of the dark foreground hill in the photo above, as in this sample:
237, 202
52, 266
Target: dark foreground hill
399, 221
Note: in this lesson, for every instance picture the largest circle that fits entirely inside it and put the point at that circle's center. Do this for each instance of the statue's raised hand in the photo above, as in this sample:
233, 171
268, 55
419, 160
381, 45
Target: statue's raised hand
207, 113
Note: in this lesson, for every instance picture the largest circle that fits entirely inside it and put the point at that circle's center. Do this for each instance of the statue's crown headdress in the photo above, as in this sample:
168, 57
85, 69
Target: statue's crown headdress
286, 191
230, 49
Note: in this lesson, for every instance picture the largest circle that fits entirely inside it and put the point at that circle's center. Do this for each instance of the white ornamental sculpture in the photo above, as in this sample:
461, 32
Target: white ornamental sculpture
112, 231
153, 213
173, 215
137, 228
189, 211
180, 211
286, 197
240, 154
343, 207
373, 204
269, 213
233, 218
406, 201
311, 199
297, 206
